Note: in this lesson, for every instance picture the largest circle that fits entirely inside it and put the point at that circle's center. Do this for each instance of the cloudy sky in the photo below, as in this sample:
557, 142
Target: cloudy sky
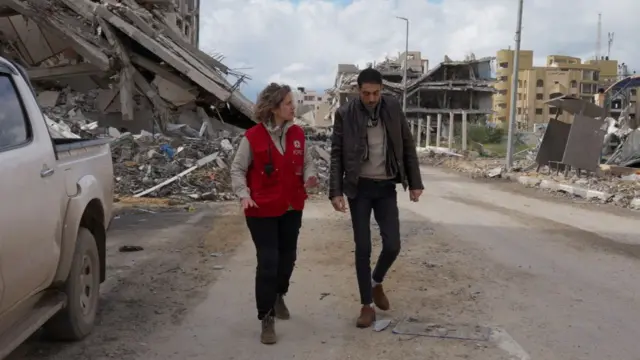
300, 42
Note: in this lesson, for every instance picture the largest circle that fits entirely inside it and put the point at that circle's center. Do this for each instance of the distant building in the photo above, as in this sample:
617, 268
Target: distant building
185, 20
450, 87
312, 106
561, 75
303, 96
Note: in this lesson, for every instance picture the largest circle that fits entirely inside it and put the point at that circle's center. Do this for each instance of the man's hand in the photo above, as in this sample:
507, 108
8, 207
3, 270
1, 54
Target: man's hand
339, 204
248, 203
414, 195
311, 182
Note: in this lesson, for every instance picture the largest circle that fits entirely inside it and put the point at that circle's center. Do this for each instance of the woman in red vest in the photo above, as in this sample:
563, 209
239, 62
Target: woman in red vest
270, 173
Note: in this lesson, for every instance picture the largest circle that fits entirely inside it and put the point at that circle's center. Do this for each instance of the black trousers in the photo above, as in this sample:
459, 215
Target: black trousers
380, 197
276, 241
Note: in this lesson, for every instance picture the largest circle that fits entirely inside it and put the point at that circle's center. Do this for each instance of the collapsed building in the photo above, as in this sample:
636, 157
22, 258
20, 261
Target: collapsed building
459, 91
129, 65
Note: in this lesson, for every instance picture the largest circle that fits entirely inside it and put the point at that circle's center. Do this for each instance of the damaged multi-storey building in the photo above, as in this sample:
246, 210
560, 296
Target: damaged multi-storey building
438, 98
122, 64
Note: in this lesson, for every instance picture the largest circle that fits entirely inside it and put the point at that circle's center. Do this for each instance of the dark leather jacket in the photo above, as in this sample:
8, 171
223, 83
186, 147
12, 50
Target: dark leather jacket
348, 144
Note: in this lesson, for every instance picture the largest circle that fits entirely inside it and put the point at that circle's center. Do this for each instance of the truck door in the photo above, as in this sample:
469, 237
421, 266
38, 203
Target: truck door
30, 195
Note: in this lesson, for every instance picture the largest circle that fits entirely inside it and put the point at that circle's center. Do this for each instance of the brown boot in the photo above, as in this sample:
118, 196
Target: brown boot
282, 312
380, 299
367, 317
268, 335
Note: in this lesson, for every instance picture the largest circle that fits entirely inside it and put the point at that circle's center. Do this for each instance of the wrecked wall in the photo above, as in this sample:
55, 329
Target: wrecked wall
139, 57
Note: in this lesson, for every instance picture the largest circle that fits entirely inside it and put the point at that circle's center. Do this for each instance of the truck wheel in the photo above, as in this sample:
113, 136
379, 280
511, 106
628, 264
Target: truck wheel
76, 320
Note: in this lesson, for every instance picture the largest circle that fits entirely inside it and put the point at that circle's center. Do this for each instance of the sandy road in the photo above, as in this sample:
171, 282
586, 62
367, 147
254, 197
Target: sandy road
559, 278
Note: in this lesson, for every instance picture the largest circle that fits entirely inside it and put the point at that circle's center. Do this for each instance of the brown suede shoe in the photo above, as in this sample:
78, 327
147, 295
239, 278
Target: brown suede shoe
380, 299
282, 312
268, 335
367, 317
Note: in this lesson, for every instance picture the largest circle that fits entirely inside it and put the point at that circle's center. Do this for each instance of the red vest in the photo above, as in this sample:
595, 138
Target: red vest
284, 187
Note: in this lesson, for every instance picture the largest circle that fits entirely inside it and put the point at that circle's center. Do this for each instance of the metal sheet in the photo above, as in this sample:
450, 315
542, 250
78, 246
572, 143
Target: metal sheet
630, 152
576, 106
415, 327
553, 143
584, 144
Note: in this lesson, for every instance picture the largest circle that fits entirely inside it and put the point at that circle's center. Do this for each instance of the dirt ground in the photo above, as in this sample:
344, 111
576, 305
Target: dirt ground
155, 287
149, 293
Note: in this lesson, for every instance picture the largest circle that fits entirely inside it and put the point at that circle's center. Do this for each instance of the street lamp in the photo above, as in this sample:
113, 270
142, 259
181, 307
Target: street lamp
406, 58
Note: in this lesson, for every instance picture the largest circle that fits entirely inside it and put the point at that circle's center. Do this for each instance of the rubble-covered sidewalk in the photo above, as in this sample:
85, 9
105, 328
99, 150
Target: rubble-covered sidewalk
612, 184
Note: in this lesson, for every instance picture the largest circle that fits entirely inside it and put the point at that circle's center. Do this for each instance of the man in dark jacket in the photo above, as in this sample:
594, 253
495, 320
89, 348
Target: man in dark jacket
372, 150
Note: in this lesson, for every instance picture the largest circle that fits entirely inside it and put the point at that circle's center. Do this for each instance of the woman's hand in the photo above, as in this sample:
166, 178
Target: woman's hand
248, 203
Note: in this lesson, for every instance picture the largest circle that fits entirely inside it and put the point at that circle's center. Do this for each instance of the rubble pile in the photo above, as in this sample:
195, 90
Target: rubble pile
188, 169
321, 151
618, 190
129, 64
198, 169
67, 108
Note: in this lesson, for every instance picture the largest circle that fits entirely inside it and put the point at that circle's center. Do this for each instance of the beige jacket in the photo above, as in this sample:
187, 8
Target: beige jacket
243, 159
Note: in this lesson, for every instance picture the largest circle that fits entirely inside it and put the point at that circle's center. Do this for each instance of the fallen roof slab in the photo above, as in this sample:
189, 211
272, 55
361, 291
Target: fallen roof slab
142, 40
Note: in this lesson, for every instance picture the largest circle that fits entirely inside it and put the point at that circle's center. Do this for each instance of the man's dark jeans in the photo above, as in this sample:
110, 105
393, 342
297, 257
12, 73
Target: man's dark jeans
380, 197
276, 241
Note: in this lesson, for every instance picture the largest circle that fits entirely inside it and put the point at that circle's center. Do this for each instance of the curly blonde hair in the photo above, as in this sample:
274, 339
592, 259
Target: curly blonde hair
268, 100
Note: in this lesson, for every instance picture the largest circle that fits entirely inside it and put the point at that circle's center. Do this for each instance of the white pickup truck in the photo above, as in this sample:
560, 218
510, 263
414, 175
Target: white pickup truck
55, 208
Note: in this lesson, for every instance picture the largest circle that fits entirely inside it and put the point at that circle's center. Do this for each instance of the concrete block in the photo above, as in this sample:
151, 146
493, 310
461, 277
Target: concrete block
635, 204
583, 193
549, 185
173, 93
529, 181
569, 189
600, 195
48, 98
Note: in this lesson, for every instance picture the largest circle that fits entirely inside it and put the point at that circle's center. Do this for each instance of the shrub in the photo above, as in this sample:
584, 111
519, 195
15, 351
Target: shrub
485, 134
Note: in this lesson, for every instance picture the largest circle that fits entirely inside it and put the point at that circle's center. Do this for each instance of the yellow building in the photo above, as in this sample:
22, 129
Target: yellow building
561, 75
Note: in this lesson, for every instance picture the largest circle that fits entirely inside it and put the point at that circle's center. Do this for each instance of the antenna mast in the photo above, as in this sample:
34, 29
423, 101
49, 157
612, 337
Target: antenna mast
599, 38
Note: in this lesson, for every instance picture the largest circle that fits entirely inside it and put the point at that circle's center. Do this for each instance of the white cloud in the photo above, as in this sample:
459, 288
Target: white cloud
301, 42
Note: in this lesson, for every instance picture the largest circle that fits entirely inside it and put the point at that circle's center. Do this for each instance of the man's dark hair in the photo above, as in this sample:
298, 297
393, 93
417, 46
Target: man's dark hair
369, 76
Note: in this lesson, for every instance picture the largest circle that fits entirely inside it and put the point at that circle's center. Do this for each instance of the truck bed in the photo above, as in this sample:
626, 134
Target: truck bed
62, 145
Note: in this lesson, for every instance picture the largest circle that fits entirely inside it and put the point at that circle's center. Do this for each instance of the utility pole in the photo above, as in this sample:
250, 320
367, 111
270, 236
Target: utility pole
514, 88
406, 65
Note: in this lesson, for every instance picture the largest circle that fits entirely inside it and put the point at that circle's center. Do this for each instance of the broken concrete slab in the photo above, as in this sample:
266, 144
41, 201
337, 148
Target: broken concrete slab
529, 181
83, 51
381, 325
48, 98
496, 172
65, 71
171, 92
635, 204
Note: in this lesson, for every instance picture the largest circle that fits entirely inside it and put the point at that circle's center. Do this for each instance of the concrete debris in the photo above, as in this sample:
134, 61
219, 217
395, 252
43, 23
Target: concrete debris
131, 66
161, 166
616, 185
187, 168
567, 159
381, 325
496, 172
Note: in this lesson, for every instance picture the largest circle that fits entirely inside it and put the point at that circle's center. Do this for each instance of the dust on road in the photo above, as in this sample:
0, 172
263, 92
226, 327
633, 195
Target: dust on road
169, 302
152, 288
433, 281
